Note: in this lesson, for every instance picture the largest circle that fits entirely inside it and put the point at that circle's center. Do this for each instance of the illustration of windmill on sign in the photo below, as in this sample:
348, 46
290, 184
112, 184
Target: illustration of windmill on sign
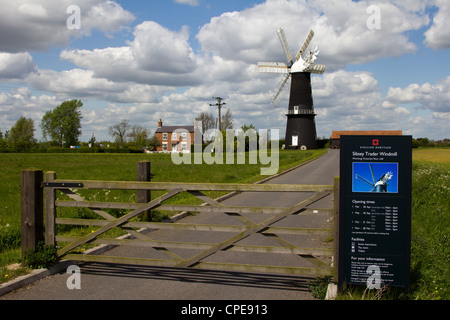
301, 126
380, 185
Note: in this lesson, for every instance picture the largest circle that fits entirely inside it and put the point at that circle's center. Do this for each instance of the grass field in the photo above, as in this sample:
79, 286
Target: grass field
430, 243
435, 155
122, 167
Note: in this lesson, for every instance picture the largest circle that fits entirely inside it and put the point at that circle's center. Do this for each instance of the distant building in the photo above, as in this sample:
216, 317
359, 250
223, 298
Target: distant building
175, 138
335, 139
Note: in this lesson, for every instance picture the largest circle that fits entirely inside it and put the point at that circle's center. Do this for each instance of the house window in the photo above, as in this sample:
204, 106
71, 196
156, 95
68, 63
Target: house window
164, 145
184, 136
174, 136
184, 146
164, 136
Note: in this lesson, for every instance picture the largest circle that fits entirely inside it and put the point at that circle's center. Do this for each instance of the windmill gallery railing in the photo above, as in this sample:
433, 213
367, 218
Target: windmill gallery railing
138, 231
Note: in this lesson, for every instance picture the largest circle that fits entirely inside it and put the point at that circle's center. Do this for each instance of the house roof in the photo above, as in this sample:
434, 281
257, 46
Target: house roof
338, 134
170, 129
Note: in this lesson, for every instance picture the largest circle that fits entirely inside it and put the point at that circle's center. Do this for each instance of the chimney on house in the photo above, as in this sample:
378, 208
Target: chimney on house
160, 123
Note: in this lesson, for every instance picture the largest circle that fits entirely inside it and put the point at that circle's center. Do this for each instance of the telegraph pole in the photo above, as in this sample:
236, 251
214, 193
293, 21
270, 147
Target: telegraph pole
219, 105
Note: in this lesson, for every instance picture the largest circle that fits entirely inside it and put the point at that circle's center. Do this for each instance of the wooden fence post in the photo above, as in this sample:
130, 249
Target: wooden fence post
144, 196
50, 211
32, 211
336, 229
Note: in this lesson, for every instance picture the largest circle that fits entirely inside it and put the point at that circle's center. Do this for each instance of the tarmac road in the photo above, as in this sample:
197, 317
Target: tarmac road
124, 282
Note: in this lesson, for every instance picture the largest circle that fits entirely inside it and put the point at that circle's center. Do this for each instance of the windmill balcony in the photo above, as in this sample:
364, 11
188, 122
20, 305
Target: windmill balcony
301, 111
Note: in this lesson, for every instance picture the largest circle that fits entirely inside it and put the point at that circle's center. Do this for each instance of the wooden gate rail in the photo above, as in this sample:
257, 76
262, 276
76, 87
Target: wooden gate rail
133, 185
240, 232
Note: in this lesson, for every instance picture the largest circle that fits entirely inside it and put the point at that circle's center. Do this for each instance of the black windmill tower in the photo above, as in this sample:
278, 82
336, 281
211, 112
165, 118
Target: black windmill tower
301, 126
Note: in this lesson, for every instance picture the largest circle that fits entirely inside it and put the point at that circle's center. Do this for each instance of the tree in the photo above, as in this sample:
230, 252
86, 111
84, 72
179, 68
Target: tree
22, 134
246, 127
208, 121
154, 143
227, 120
2, 140
63, 124
119, 132
91, 142
250, 136
139, 136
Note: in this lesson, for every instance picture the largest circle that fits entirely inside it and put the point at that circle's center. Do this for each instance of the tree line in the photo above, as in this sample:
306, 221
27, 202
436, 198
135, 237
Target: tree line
61, 125
61, 128
125, 135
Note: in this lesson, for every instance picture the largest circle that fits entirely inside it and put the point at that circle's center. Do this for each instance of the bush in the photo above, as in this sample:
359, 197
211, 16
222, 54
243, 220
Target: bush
43, 256
69, 150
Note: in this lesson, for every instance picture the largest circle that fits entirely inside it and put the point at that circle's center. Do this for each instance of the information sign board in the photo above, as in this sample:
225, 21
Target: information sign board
375, 210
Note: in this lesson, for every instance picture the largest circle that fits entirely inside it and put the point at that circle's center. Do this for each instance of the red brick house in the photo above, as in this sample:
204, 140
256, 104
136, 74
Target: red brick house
175, 138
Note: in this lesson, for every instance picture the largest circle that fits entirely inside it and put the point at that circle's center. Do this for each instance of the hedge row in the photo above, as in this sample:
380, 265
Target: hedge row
68, 150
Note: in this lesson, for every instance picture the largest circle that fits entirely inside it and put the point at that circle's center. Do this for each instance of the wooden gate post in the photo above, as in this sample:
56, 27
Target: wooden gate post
50, 211
144, 196
32, 211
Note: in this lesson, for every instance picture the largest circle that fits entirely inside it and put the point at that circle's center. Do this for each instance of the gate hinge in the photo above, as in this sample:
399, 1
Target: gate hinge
61, 185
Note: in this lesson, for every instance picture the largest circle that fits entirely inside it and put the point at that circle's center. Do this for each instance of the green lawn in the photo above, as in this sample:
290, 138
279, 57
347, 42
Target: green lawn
435, 155
122, 167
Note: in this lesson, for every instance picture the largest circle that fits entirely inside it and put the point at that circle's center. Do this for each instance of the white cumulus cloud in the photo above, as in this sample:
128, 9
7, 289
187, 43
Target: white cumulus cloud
341, 31
16, 66
434, 97
438, 35
41, 24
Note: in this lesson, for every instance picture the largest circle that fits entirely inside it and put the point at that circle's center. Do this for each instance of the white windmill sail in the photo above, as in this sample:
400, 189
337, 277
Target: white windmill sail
316, 68
281, 87
285, 46
305, 45
273, 67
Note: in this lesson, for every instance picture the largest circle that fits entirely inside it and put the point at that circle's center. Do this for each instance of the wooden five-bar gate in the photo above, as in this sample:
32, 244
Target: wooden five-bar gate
106, 222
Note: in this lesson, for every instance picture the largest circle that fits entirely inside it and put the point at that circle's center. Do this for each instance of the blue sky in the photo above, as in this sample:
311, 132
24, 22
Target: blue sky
145, 60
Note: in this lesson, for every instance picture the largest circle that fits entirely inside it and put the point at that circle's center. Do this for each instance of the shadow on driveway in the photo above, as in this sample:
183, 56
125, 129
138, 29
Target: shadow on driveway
254, 280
